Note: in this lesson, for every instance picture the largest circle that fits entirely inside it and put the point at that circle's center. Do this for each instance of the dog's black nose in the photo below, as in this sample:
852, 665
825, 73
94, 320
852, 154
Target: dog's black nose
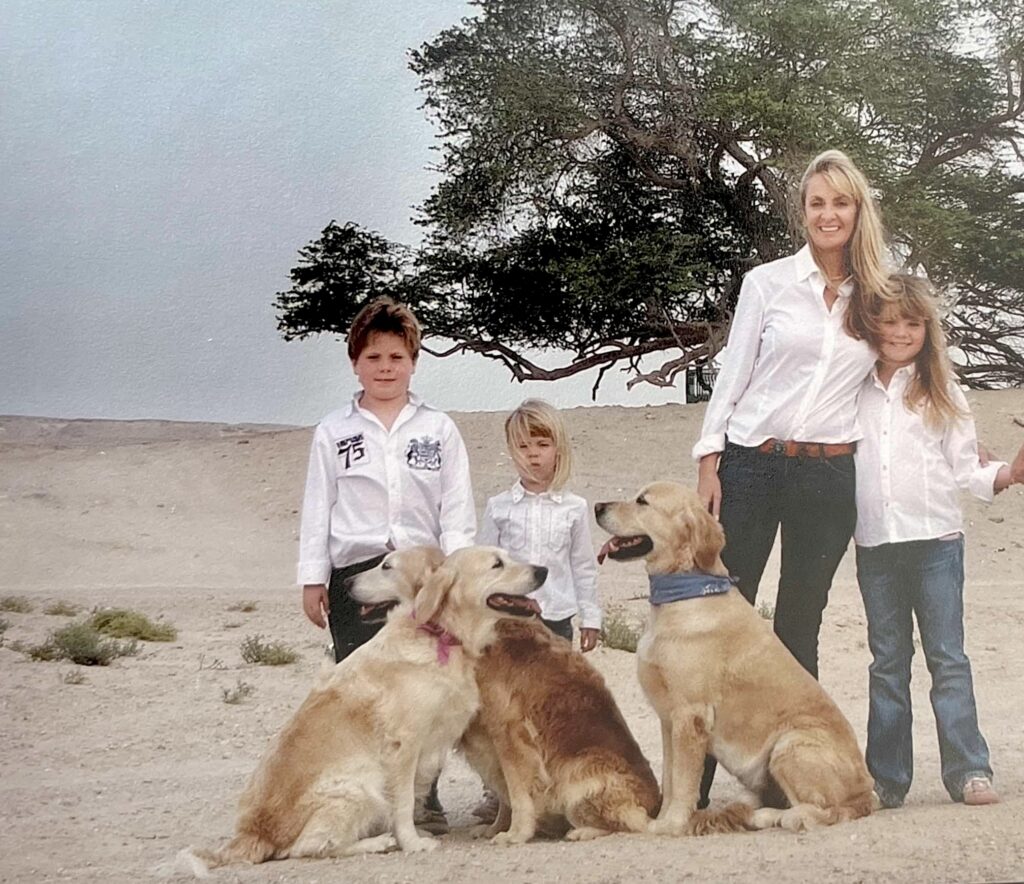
540, 574
599, 508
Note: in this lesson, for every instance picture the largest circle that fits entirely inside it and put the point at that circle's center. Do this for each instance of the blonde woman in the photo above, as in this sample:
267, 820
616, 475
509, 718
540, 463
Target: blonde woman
918, 452
539, 521
776, 448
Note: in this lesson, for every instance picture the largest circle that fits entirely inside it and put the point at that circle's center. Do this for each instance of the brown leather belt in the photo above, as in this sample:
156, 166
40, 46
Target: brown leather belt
789, 448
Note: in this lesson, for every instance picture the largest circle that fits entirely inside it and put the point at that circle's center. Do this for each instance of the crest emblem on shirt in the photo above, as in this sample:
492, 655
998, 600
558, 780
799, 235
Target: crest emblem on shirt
352, 449
424, 453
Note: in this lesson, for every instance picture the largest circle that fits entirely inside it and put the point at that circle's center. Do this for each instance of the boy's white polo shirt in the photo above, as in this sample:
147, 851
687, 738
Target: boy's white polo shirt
369, 489
910, 475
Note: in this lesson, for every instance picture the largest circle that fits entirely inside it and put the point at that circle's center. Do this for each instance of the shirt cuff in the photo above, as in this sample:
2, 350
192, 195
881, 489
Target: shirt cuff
984, 479
590, 621
314, 573
713, 444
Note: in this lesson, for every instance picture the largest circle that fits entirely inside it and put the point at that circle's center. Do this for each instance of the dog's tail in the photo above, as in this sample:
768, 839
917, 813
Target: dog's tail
245, 848
735, 817
803, 817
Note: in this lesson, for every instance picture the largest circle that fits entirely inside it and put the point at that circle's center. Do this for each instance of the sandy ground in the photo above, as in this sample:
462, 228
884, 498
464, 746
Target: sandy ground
107, 779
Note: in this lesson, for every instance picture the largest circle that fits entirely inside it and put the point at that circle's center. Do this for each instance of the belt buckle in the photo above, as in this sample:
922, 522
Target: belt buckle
778, 447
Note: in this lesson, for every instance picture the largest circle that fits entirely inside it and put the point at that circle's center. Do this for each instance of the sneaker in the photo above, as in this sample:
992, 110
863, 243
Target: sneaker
433, 821
978, 791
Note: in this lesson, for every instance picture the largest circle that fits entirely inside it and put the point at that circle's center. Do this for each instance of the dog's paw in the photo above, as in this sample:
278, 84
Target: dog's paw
667, 826
420, 844
585, 833
504, 839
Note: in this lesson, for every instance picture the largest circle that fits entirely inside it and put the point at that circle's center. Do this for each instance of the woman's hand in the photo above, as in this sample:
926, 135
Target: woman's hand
588, 638
709, 486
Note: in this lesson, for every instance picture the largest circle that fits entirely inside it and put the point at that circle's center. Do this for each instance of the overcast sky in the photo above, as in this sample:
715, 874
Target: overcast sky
160, 165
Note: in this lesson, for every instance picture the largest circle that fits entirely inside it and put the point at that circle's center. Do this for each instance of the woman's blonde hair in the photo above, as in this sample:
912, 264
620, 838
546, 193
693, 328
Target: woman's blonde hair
535, 417
912, 297
864, 253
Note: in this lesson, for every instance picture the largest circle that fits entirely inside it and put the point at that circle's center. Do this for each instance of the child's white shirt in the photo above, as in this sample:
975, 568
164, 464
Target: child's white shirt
910, 475
369, 489
550, 529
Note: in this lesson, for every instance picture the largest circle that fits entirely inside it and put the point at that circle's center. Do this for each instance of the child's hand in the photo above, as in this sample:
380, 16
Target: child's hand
588, 639
315, 604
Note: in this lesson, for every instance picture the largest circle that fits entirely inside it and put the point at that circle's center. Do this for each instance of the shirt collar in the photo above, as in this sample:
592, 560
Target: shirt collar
519, 492
901, 377
806, 268
353, 404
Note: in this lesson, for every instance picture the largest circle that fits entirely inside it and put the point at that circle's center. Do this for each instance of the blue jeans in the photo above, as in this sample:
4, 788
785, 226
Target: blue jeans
898, 581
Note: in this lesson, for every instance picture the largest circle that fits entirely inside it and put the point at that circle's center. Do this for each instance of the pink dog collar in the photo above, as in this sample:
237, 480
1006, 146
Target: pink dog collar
445, 640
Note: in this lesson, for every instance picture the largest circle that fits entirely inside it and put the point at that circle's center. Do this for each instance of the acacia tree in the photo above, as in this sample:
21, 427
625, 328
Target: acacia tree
610, 168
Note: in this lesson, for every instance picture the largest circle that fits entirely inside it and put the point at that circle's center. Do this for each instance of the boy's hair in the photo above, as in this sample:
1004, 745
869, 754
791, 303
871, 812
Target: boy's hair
535, 417
928, 391
387, 316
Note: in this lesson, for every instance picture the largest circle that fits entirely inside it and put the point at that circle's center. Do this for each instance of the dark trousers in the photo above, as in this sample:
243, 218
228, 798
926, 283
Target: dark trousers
560, 627
812, 500
348, 632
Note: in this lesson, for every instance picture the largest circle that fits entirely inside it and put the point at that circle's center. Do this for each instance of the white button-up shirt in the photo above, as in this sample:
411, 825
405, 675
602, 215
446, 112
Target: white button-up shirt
909, 475
790, 371
550, 529
369, 489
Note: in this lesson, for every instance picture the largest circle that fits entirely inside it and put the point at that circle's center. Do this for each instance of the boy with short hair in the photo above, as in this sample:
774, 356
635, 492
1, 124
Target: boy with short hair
385, 472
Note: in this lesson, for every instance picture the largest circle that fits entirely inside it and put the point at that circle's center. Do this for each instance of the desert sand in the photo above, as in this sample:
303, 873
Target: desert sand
107, 779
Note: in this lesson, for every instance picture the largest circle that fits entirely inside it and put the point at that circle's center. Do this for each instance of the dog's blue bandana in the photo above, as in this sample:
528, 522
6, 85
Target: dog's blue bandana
666, 588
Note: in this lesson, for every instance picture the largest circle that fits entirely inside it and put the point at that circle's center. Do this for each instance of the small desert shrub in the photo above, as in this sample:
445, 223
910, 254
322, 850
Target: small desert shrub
16, 604
256, 650
243, 607
73, 676
62, 609
122, 623
3, 628
766, 610
215, 663
619, 631
81, 644
234, 696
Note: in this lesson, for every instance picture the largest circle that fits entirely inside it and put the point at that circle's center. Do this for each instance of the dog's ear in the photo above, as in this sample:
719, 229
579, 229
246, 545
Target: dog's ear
708, 539
432, 597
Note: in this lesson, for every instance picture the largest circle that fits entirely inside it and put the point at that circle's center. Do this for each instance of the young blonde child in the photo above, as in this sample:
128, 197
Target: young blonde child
538, 521
918, 451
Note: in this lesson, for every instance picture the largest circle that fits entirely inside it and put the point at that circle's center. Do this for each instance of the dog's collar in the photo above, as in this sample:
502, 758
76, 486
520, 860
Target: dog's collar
445, 640
666, 588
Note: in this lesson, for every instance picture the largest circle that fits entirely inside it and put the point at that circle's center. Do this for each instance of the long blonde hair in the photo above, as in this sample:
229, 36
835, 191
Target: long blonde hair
864, 253
535, 417
928, 393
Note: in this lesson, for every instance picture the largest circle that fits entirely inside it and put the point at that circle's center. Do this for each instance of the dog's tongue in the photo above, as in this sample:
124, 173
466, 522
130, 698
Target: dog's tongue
609, 547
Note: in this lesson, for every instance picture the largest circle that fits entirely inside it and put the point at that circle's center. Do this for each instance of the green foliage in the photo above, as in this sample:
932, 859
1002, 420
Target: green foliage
15, 604
241, 690
619, 631
82, 644
255, 650
62, 609
765, 610
608, 171
124, 623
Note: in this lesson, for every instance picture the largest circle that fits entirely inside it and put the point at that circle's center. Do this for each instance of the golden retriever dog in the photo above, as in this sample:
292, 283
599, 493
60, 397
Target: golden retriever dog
342, 775
550, 741
723, 684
